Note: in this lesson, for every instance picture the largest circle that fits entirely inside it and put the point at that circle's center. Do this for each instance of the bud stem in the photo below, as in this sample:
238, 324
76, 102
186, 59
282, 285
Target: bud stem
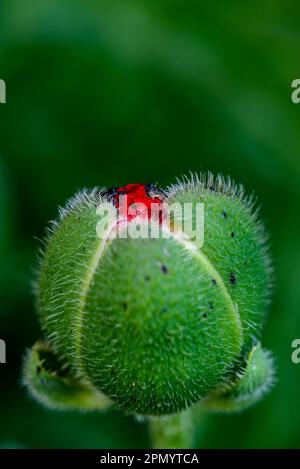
172, 432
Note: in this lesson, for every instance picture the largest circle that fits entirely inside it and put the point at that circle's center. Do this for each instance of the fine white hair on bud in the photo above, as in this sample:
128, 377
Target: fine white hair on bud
153, 325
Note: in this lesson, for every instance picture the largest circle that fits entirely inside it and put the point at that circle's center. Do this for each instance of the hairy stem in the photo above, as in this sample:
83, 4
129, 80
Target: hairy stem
175, 431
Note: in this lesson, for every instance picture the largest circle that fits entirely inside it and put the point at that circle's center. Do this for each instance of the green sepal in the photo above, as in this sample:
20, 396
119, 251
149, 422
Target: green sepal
251, 385
51, 383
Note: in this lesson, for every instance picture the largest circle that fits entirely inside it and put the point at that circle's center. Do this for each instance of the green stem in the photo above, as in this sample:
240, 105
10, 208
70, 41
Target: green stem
171, 432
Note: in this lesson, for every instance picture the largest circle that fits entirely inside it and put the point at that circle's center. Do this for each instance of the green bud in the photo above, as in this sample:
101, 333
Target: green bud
154, 325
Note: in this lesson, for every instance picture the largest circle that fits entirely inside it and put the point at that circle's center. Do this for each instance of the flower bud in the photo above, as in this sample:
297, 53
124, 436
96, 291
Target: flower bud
154, 324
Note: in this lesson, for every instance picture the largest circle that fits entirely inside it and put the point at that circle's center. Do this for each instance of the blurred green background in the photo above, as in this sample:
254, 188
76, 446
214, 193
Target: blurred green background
111, 92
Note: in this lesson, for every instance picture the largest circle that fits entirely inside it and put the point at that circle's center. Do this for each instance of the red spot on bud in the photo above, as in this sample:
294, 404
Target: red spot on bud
140, 200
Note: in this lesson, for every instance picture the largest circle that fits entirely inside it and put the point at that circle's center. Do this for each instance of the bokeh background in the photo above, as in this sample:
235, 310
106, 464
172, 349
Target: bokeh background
118, 91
